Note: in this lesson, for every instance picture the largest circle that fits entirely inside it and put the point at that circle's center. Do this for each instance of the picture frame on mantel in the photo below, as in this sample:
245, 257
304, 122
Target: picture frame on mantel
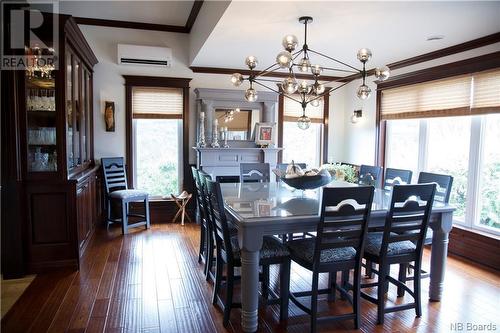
264, 134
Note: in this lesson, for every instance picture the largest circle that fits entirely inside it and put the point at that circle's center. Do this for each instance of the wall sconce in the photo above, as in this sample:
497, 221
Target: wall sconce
356, 115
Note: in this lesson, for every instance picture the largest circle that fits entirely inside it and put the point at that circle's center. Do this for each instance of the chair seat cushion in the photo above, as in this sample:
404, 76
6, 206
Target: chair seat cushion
271, 248
303, 250
129, 194
374, 243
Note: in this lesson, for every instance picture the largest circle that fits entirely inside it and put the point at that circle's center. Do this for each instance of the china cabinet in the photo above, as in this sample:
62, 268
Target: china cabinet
49, 126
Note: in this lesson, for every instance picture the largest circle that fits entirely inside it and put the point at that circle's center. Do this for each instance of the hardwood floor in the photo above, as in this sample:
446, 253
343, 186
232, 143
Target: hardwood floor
150, 281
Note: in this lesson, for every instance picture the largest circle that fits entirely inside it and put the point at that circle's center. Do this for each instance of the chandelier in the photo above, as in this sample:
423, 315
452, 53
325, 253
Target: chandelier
309, 91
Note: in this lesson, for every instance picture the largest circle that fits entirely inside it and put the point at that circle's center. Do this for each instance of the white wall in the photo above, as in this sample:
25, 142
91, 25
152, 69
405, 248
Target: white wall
359, 139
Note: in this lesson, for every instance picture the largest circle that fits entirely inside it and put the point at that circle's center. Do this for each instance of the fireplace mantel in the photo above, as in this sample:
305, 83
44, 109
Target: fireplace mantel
224, 162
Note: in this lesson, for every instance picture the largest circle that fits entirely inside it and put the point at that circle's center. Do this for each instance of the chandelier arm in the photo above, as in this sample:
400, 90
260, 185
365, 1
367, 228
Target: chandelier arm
340, 70
267, 70
328, 92
268, 80
340, 62
263, 85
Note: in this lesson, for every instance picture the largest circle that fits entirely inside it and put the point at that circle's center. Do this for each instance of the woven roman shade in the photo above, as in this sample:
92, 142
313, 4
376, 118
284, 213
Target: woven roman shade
152, 102
447, 97
486, 92
293, 110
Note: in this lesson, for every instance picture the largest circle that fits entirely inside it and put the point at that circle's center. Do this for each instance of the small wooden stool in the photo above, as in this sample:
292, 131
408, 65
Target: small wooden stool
181, 201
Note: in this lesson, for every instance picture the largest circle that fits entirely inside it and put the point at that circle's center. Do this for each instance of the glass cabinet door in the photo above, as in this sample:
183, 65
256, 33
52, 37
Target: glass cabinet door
69, 111
40, 103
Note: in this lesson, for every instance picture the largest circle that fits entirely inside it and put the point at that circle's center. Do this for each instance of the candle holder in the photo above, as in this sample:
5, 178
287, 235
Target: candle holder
201, 139
215, 135
224, 130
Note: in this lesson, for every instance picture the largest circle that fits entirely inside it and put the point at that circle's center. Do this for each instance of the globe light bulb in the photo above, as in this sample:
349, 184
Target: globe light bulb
304, 88
303, 122
354, 119
237, 79
316, 70
290, 85
290, 42
364, 55
251, 62
251, 95
319, 88
363, 91
237, 110
315, 102
304, 65
284, 59
382, 73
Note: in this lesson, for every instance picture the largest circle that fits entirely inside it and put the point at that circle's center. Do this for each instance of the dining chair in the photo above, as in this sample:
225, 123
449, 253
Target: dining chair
228, 254
370, 175
338, 246
254, 172
396, 177
400, 243
443, 185
115, 182
201, 218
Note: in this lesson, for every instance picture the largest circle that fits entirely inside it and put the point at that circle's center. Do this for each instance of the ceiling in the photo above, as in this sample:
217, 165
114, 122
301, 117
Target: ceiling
392, 30
156, 12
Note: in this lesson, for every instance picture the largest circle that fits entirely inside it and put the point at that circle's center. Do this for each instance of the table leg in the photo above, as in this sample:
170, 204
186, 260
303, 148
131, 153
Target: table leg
249, 289
439, 254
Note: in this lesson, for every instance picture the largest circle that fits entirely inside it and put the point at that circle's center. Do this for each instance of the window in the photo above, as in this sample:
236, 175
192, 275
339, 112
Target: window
437, 140
303, 146
157, 127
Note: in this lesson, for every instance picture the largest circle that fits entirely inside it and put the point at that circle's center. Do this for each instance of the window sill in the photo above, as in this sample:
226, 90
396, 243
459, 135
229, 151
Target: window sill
476, 231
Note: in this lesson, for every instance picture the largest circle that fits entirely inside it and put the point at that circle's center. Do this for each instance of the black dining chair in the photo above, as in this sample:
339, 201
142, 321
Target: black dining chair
370, 175
115, 181
400, 243
338, 246
228, 254
443, 185
396, 177
205, 243
254, 172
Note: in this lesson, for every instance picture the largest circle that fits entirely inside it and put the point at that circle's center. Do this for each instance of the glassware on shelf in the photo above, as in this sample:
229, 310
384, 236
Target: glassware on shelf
42, 136
41, 100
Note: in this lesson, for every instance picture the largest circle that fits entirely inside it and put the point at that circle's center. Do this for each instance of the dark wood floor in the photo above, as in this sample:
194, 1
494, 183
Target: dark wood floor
150, 281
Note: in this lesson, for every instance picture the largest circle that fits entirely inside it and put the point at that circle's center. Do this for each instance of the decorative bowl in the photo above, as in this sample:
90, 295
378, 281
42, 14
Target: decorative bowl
308, 182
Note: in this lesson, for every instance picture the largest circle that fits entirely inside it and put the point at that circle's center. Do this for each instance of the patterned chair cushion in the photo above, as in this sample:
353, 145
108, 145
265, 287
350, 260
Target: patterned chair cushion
128, 194
374, 243
304, 249
271, 248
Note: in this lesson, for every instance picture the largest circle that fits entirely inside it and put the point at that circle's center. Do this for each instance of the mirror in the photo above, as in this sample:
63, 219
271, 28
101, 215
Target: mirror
240, 123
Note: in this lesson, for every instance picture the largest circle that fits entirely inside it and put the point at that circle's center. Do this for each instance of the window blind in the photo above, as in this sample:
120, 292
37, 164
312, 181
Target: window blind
447, 97
486, 92
293, 110
152, 102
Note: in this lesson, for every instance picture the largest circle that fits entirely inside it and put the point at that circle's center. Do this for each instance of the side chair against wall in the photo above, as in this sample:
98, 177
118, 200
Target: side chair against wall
370, 175
400, 243
396, 177
254, 172
115, 181
200, 217
338, 246
228, 254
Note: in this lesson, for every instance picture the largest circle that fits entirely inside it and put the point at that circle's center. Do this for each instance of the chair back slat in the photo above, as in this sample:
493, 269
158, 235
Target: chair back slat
344, 218
396, 177
370, 175
408, 216
254, 172
218, 219
115, 177
443, 185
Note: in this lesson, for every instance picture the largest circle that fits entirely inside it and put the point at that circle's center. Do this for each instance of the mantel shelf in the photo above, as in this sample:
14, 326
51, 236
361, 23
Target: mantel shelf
236, 148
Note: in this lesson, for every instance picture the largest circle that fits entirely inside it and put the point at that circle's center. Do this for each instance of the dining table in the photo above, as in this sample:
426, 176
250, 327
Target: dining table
274, 208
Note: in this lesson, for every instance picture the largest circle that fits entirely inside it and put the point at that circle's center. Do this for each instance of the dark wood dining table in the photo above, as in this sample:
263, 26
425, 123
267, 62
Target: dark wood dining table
260, 209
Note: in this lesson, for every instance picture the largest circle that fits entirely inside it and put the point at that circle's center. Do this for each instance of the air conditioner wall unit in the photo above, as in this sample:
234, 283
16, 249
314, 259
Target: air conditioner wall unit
144, 55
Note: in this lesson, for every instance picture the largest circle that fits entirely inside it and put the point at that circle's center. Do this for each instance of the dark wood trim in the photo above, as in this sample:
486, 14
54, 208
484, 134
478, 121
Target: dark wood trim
281, 109
475, 246
78, 42
229, 71
472, 65
155, 81
195, 10
130, 25
380, 128
469, 45
326, 117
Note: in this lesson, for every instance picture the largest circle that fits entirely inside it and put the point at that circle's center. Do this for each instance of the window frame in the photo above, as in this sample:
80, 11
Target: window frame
324, 130
132, 81
468, 66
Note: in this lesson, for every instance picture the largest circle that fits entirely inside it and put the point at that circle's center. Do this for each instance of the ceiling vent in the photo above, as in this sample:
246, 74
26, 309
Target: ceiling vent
144, 55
